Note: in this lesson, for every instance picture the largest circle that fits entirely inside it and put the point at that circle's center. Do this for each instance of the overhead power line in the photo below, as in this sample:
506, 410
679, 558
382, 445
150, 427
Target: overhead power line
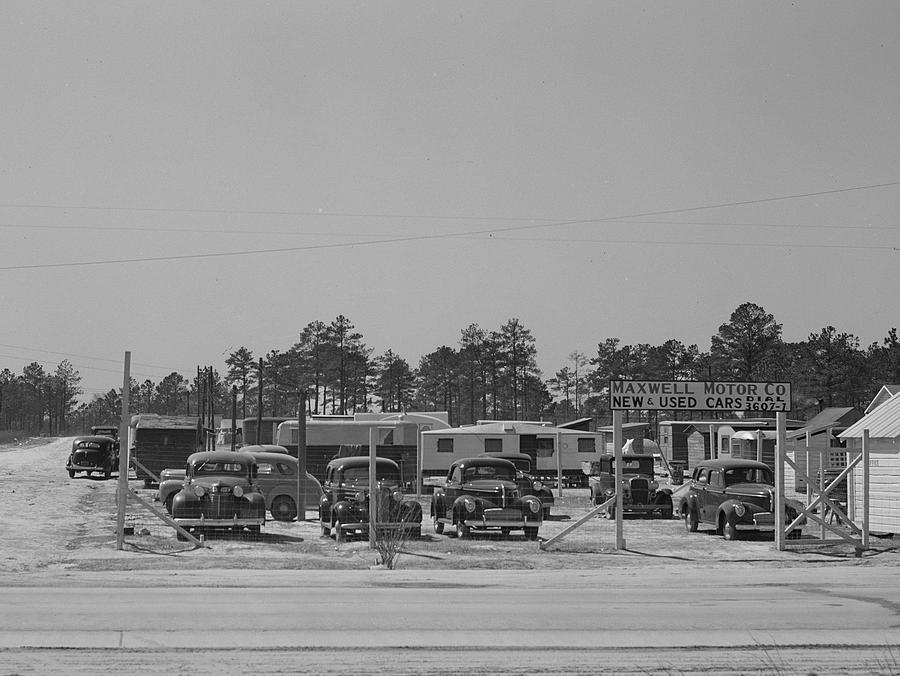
488, 231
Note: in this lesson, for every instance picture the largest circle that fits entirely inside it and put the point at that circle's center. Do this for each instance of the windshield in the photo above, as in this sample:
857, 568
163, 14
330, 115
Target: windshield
638, 465
360, 475
472, 473
753, 475
209, 467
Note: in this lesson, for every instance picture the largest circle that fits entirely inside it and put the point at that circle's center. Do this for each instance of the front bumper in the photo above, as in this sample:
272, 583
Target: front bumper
221, 523
80, 467
503, 518
763, 521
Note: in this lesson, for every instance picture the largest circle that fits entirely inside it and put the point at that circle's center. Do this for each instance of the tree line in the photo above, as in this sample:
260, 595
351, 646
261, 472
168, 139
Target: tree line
487, 374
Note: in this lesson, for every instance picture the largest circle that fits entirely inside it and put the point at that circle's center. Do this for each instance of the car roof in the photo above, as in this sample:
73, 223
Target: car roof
265, 456
361, 461
732, 464
94, 437
484, 460
220, 456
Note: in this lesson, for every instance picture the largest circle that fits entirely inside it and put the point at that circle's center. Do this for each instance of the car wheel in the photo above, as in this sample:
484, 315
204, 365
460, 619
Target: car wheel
595, 499
795, 534
531, 533
438, 525
326, 530
416, 532
610, 512
462, 530
168, 503
691, 524
729, 530
546, 513
338, 532
107, 473
255, 531
180, 536
71, 473
284, 508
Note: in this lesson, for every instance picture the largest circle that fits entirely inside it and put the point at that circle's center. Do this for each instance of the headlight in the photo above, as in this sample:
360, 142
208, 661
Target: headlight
469, 504
238, 491
739, 509
199, 491
537, 485
397, 496
361, 496
534, 506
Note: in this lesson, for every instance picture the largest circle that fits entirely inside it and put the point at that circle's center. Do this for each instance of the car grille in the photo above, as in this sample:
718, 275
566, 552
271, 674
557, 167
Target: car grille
500, 514
220, 506
640, 491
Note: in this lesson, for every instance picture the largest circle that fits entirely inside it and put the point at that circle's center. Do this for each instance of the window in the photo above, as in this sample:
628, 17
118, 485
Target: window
493, 445
445, 445
703, 476
587, 445
715, 478
544, 447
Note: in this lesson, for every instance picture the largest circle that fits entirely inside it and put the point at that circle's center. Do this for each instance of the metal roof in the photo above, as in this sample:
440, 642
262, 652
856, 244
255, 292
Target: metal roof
500, 428
828, 418
883, 422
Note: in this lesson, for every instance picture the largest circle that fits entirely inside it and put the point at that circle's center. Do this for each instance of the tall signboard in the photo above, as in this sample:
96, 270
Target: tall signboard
697, 395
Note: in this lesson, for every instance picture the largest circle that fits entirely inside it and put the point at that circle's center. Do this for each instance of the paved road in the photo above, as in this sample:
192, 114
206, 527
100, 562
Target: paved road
764, 619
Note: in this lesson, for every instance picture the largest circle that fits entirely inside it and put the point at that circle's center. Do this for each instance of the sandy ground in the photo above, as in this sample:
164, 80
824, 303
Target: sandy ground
54, 523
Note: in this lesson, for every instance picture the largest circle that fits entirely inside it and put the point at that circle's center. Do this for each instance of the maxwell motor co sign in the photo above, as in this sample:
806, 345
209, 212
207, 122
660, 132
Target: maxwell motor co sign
692, 395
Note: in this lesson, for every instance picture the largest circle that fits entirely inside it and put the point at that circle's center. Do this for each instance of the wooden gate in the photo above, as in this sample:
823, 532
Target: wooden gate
828, 498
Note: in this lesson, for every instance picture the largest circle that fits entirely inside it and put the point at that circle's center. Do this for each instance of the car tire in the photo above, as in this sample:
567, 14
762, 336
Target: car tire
462, 530
531, 533
438, 525
284, 508
107, 473
71, 473
338, 532
326, 530
255, 531
505, 531
795, 534
416, 532
691, 524
180, 536
168, 503
546, 513
610, 512
729, 530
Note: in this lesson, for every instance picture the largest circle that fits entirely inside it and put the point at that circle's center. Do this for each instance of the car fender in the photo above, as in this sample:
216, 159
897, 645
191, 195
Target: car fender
728, 509
344, 512
533, 515
185, 504
168, 488
460, 513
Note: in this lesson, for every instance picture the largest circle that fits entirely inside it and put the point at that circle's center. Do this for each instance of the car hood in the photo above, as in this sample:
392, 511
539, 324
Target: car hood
489, 486
750, 490
221, 481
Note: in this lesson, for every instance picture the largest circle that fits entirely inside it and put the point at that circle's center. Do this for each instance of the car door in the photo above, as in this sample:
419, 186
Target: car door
701, 490
451, 491
715, 495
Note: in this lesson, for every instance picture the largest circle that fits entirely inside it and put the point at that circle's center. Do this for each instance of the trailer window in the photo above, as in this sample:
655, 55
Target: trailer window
544, 447
493, 445
587, 445
445, 445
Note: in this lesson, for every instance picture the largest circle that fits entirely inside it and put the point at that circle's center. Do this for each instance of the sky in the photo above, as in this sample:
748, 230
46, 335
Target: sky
178, 180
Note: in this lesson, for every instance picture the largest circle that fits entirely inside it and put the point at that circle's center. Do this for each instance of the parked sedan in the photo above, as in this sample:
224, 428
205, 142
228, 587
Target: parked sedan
482, 493
93, 454
277, 479
344, 506
732, 496
220, 491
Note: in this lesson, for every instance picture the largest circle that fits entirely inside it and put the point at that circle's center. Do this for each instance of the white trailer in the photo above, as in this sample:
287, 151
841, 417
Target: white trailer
551, 448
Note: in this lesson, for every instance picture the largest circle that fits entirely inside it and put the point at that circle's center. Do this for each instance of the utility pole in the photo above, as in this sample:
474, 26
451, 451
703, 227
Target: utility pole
259, 403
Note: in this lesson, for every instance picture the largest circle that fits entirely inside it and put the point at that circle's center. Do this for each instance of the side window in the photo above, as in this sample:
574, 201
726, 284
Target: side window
284, 468
265, 468
587, 445
493, 445
445, 445
703, 476
456, 476
715, 479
